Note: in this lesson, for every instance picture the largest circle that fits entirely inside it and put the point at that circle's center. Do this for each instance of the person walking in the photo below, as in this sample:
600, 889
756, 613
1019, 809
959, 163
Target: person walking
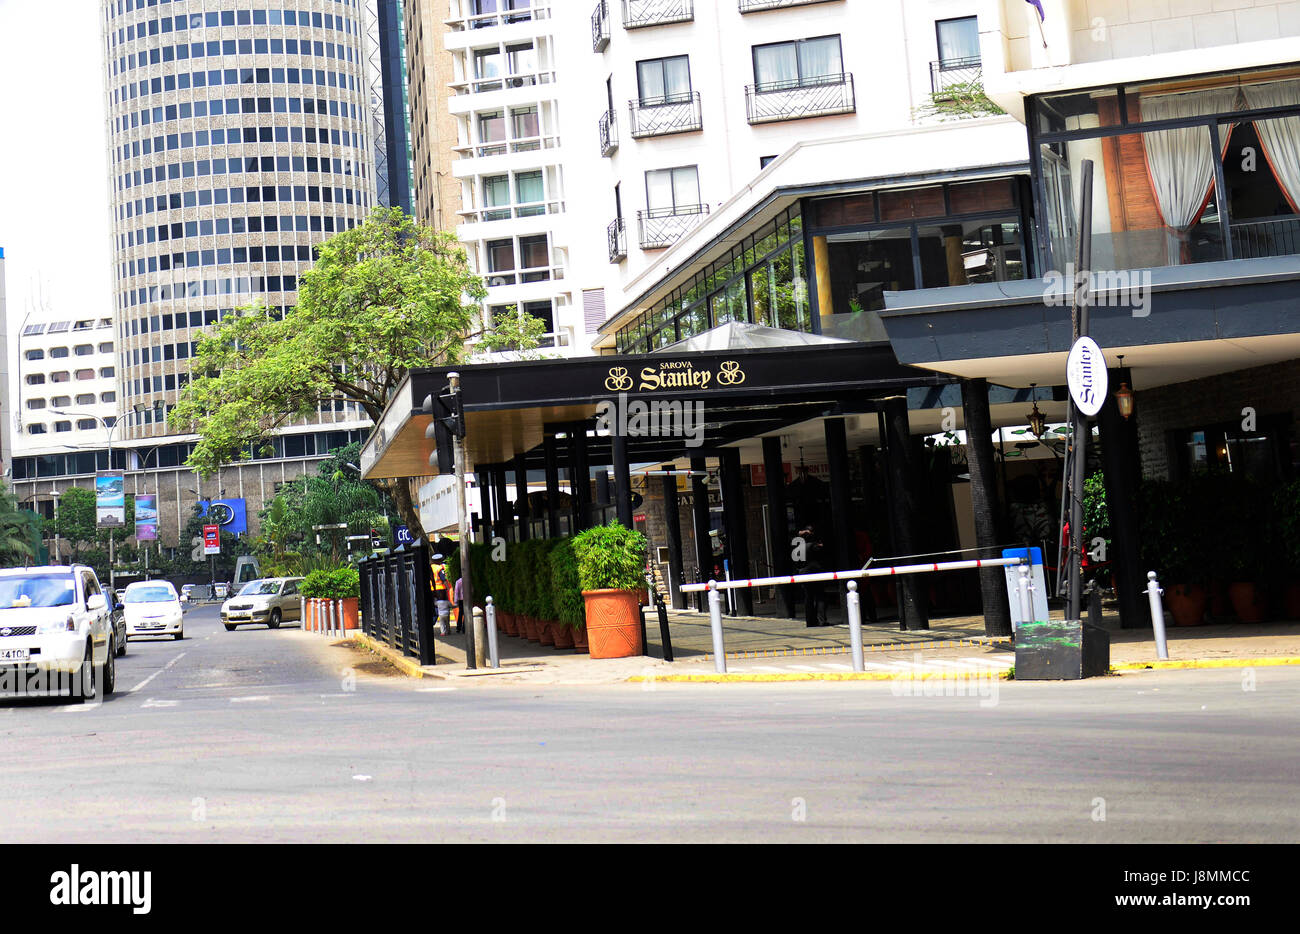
459, 599
438, 582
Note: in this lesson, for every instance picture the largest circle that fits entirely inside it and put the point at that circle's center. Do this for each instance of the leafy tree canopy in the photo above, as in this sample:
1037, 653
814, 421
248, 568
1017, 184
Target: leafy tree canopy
383, 297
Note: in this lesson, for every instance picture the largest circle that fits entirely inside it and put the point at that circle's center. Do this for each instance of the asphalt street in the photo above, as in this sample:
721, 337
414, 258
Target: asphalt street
259, 735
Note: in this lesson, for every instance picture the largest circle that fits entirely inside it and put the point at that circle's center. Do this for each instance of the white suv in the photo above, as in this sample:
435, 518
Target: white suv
56, 635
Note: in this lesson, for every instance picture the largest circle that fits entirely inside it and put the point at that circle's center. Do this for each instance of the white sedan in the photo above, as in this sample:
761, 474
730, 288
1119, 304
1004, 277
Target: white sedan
55, 633
153, 608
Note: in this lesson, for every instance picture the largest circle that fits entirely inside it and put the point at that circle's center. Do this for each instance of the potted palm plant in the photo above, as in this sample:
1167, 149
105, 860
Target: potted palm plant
1242, 542
611, 569
570, 608
1174, 544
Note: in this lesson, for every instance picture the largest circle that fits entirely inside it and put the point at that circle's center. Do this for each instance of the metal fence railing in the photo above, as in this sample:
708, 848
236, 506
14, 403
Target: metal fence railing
794, 100
662, 116
396, 602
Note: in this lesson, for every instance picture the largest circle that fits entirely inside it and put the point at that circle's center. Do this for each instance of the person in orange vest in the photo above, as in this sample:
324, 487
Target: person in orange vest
438, 583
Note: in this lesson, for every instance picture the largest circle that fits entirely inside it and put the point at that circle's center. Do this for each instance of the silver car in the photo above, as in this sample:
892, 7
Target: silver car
269, 601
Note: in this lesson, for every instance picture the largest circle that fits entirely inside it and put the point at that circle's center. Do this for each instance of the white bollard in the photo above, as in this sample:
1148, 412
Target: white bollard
302, 612
1157, 614
480, 638
494, 658
1026, 601
715, 623
854, 603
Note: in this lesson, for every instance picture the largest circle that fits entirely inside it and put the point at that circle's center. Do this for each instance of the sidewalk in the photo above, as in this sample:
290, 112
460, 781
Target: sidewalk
767, 649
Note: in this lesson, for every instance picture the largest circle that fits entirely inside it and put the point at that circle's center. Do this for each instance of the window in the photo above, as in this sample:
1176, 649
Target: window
663, 80
800, 63
108, 397
84, 350
523, 125
959, 42
107, 372
106, 347
59, 401
491, 129
522, 59
487, 64
529, 189
36, 429
86, 398
58, 353
35, 403
765, 161
35, 355
85, 374
60, 376
501, 262
63, 426
85, 424
496, 194
36, 379
672, 190
534, 254
33, 329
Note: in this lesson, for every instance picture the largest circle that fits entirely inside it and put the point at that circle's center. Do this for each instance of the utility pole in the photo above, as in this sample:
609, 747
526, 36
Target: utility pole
462, 520
1078, 419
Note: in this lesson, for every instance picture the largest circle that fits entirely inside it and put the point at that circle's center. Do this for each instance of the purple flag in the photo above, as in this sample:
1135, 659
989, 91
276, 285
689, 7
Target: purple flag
1037, 5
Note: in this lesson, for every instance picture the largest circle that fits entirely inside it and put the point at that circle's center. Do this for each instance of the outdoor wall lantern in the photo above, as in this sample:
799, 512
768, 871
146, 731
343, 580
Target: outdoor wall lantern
1124, 395
1037, 420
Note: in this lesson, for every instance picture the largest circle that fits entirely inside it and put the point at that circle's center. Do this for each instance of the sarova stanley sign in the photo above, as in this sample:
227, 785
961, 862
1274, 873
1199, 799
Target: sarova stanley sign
674, 374
1085, 373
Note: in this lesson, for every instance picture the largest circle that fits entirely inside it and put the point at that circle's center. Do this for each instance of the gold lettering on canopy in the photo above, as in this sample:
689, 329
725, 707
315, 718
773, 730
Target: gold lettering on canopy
675, 374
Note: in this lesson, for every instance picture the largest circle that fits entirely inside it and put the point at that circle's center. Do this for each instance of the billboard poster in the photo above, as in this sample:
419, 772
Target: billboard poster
146, 518
212, 539
110, 503
230, 514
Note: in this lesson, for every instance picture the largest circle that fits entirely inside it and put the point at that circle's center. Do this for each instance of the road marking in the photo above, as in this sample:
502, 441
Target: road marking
259, 697
152, 702
432, 690
343, 694
156, 673
77, 708
838, 666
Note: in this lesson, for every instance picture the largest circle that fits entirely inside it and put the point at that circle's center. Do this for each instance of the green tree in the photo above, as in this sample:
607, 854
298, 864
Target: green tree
75, 523
19, 531
383, 297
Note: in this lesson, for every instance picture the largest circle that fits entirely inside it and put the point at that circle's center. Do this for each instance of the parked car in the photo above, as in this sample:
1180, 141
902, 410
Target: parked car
153, 608
270, 600
117, 616
220, 590
53, 621
186, 591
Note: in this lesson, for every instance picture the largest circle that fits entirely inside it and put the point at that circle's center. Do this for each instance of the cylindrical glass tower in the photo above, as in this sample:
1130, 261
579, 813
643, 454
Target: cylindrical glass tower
238, 139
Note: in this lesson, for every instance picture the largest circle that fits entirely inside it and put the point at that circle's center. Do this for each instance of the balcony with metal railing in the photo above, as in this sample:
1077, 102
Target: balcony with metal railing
600, 26
955, 72
659, 228
664, 116
800, 98
535, 11
1274, 236
608, 129
616, 234
638, 14
758, 6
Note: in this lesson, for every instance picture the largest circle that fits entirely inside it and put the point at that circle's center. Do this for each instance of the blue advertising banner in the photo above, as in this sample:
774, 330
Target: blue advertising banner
230, 514
146, 518
110, 503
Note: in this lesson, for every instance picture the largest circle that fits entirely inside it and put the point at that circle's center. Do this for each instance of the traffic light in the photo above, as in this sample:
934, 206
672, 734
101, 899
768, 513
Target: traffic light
443, 456
375, 541
455, 417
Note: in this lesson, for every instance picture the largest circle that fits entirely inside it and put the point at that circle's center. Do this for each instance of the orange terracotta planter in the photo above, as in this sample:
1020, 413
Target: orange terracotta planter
1186, 603
505, 622
544, 631
1248, 601
580, 638
613, 623
563, 635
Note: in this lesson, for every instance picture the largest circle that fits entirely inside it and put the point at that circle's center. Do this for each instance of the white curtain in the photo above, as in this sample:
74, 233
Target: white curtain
776, 64
1181, 162
819, 58
1280, 137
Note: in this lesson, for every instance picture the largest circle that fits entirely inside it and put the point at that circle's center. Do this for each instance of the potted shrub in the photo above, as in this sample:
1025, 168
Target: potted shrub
1242, 541
341, 584
1174, 540
611, 572
544, 603
570, 608
1286, 511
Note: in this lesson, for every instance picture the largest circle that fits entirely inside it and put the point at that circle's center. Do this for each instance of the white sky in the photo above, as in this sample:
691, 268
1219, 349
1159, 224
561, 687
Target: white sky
54, 214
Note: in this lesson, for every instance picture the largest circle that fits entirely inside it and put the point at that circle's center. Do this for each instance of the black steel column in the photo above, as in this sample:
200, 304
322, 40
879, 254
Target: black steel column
582, 476
552, 487
842, 553
622, 481
483, 477
913, 612
733, 517
503, 502
1122, 466
674, 522
703, 544
984, 503
602, 488
521, 497
778, 523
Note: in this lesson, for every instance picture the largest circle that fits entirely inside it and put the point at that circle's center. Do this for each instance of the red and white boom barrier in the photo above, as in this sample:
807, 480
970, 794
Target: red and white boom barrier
854, 607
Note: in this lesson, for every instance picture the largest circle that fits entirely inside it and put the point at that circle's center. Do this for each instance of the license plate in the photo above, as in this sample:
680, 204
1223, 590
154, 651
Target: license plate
14, 655
150, 626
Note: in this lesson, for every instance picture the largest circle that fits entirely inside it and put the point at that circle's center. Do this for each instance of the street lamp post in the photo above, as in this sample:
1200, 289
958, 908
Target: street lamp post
109, 430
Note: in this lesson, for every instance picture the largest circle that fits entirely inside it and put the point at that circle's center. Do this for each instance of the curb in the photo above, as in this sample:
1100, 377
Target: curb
818, 650
1170, 664
777, 677
399, 661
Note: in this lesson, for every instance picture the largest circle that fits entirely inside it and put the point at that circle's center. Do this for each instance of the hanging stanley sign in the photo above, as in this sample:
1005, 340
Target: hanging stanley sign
1085, 374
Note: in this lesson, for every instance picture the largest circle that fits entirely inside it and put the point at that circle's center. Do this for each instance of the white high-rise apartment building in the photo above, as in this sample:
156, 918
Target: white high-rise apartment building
592, 142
